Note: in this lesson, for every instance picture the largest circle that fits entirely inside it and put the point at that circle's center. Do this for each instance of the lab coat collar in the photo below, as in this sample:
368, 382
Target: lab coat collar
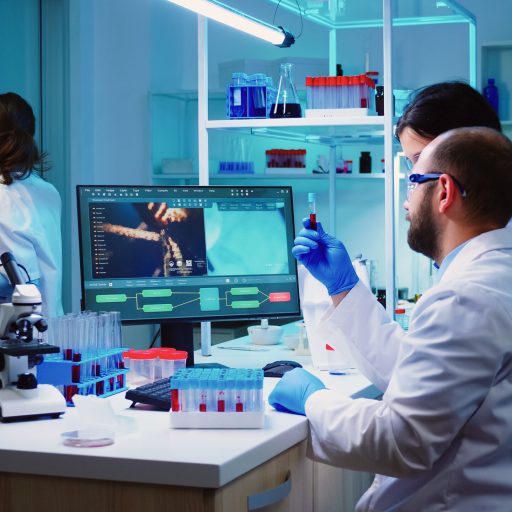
497, 239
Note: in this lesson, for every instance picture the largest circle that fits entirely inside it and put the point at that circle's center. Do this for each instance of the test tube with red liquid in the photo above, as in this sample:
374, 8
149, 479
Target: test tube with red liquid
312, 209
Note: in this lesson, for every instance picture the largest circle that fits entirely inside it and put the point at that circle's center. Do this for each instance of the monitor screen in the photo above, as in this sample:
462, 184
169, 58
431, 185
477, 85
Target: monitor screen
194, 253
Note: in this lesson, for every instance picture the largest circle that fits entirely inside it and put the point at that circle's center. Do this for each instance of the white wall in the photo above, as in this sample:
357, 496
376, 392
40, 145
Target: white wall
19, 52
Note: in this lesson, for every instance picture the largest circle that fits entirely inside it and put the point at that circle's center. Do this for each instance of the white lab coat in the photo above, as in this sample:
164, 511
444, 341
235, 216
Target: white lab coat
443, 430
30, 230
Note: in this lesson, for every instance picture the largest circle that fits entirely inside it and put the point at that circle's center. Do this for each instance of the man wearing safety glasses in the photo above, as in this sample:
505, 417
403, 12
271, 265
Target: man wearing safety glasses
440, 438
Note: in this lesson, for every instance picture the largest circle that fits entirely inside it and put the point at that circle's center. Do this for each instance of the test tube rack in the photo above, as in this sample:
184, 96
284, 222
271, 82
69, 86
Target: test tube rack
76, 377
217, 398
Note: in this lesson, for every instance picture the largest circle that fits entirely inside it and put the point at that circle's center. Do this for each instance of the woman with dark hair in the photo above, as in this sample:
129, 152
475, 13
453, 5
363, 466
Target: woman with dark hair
437, 108
31, 207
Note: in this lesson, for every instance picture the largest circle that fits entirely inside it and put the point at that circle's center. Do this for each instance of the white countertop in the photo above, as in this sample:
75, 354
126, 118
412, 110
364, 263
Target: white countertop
156, 454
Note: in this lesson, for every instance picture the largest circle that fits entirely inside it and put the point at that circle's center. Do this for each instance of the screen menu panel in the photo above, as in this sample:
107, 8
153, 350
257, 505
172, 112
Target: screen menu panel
163, 253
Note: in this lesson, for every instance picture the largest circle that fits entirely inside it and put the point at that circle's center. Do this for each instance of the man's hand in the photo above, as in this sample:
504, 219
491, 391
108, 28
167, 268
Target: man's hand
292, 391
326, 258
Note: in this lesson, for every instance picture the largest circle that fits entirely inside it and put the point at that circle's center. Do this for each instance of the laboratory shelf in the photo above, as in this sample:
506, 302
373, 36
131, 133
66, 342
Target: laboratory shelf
263, 176
353, 15
309, 123
328, 130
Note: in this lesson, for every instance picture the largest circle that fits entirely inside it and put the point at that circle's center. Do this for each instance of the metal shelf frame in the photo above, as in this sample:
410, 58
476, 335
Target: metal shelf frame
333, 128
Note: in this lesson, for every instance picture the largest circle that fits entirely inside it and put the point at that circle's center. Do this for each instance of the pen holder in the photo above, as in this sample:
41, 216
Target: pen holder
99, 373
303, 345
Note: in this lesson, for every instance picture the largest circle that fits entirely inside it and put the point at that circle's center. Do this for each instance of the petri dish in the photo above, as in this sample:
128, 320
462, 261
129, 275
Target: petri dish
88, 438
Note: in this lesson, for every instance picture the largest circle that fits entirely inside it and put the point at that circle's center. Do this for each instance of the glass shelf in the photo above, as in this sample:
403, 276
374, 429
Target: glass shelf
329, 130
263, 176
343, 14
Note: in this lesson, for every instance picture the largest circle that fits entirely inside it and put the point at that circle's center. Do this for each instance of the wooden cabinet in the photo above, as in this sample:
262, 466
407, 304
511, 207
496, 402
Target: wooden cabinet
23, 492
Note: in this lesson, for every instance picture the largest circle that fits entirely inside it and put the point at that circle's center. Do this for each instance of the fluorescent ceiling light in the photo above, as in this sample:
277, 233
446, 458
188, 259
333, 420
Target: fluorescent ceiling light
229, 16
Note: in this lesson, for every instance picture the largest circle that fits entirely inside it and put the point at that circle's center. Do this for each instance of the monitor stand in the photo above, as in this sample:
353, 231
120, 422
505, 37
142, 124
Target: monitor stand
180, 336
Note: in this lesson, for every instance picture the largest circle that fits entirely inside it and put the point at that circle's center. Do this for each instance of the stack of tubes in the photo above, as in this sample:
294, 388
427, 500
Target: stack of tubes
217, 390
339, 91
90, 337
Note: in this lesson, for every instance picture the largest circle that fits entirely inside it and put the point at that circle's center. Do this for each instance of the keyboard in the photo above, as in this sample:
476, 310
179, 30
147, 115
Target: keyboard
156, 394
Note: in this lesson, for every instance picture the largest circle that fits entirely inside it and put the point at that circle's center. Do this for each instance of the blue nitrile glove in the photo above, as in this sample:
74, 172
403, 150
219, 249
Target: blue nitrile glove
292, 391
326, 258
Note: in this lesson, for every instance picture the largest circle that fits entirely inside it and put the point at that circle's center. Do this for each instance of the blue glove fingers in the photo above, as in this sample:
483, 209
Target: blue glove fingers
292, 391
303, 240
307, 224
299, 251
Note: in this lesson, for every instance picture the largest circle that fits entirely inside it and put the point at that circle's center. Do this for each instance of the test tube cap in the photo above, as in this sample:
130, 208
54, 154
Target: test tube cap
311, 197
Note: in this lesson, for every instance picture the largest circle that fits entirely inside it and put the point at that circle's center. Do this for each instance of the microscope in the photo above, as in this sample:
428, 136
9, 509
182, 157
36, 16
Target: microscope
21, 397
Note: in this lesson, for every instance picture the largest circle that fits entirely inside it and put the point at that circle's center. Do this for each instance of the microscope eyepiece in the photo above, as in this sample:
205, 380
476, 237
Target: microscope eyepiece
41, 325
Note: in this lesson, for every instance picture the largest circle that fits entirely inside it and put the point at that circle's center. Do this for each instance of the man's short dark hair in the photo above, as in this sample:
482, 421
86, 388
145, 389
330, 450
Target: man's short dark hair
480, 159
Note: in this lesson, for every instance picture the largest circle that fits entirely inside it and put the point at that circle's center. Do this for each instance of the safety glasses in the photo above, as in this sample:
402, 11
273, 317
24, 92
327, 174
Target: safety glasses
417, 179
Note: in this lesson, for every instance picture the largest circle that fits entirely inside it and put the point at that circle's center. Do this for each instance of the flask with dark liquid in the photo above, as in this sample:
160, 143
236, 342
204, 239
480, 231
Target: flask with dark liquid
287, 101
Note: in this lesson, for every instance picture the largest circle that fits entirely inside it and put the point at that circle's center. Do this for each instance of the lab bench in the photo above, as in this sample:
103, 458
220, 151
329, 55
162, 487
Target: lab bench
156, 468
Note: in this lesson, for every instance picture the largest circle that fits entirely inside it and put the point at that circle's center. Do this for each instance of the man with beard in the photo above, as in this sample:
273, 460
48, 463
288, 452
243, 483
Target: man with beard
440, 439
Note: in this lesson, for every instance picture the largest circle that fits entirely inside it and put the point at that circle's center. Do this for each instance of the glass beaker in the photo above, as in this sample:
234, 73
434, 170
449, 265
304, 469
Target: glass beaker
287, 101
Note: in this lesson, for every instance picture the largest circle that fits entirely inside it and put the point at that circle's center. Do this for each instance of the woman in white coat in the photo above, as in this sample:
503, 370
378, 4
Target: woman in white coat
31, 207
440, 438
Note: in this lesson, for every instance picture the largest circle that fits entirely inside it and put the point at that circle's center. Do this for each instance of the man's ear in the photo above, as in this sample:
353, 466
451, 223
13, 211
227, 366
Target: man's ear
446, 193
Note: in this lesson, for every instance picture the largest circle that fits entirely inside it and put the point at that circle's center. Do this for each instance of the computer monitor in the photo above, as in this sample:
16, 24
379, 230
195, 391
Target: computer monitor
187, 254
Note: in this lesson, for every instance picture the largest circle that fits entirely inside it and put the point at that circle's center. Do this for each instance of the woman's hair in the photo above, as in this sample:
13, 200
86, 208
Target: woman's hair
19, 154
437, 108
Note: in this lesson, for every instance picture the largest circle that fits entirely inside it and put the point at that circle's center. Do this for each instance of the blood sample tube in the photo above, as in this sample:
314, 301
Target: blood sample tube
175, 401
312, 209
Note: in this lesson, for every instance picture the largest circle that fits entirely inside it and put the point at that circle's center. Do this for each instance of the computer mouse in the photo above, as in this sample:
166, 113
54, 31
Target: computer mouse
279, 368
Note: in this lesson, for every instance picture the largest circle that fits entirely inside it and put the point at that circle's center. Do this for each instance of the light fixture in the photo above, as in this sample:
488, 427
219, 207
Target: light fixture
222, 13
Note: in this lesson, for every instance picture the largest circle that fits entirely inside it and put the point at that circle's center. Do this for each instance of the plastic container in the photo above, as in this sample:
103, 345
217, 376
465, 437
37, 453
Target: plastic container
365, 162
237, 94
158, 365
142, 366
257, 95
402, 319
170, 362
491, 95
265, 335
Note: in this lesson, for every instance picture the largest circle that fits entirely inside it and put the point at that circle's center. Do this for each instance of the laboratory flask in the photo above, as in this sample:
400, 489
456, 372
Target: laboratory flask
287, 101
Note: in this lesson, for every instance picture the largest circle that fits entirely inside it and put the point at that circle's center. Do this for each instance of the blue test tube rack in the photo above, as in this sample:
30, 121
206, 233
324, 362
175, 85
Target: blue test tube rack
76, 377
217, 398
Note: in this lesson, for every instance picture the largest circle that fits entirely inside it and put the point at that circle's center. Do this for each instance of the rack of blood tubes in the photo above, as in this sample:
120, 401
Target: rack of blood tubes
217, 398
90, 360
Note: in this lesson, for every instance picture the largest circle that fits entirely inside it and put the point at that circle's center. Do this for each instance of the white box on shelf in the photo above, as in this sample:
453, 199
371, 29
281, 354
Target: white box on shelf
177, 166
217, 419
290, 171
339, 112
